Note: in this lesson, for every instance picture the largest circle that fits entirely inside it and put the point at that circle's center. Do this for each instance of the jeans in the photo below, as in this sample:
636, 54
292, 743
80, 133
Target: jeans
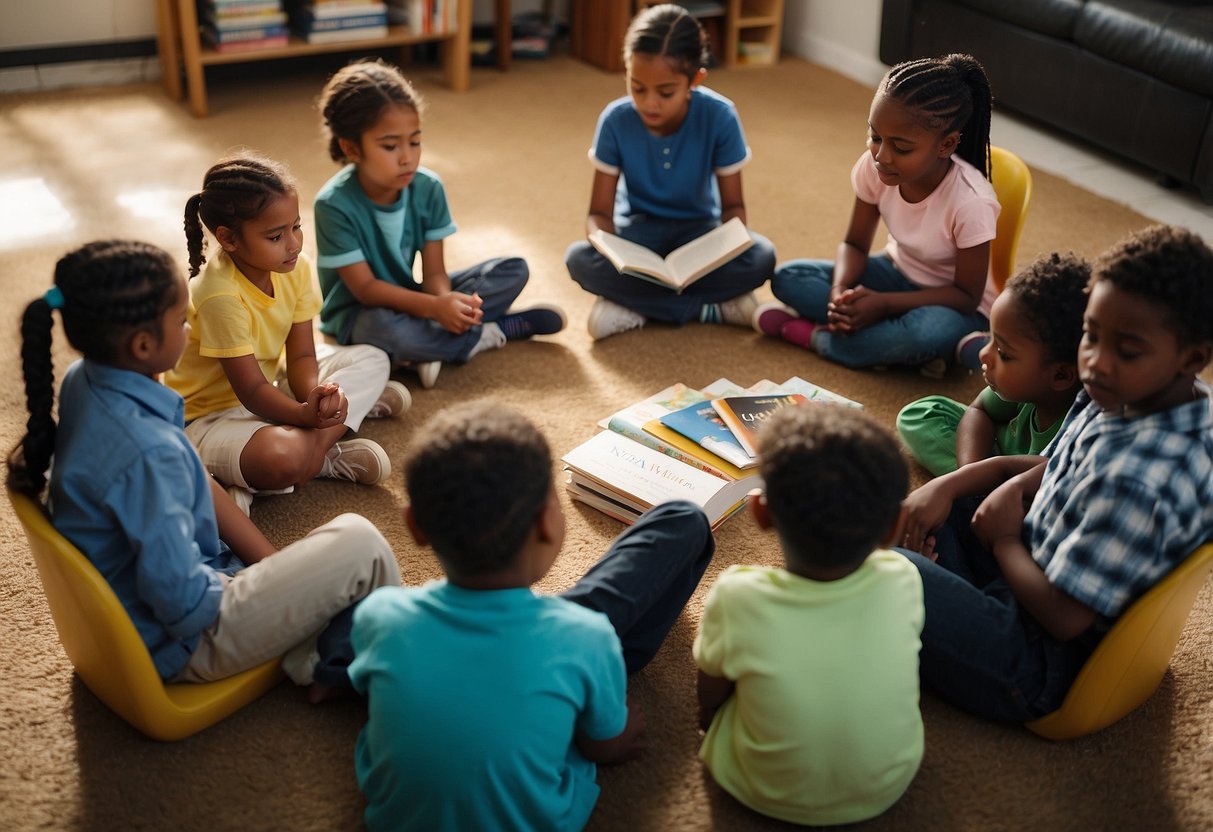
643, 581
744, 273
981, 650
407, 339
915, 337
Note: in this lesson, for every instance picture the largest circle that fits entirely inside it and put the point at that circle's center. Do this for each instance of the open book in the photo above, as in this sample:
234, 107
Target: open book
682, 266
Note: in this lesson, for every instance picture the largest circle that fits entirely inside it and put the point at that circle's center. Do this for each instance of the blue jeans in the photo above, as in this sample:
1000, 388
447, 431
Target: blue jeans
981, 650
744, 273
646, 576
407, 339
913, 338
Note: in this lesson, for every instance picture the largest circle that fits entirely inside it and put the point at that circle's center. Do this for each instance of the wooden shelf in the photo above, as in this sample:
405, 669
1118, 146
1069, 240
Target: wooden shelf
180, 46
744, 21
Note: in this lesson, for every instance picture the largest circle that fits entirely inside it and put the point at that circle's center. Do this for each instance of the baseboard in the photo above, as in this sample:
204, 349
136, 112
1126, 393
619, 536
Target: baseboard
865, 69
39, 77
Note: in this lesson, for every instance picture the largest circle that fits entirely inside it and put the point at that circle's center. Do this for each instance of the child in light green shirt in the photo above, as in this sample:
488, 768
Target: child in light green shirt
1029, 365
808, 675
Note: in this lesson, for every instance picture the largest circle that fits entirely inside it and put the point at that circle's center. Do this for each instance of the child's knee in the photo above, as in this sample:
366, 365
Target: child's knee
365, 545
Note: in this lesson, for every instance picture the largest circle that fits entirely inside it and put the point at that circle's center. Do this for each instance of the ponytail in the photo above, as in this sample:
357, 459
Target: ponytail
29, 461
195, 244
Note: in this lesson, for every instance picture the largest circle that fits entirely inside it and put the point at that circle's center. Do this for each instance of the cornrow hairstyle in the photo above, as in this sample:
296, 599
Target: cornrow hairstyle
110, 289
948, 93
1052, 296
235, 190
355, 97
668, 31
821, 462
1168, 265
476, 484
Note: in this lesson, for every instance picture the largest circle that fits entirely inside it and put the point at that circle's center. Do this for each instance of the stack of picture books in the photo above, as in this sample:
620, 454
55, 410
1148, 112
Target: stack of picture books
425, 17
683, 443
337, 21
243, 25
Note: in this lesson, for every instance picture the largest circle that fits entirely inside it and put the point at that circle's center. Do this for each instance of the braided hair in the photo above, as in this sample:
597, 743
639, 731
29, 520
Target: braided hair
355, 98
235, 190
948, 93
668, 31
106, 291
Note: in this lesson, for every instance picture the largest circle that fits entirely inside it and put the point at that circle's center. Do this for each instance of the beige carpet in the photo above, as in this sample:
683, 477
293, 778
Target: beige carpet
512, 153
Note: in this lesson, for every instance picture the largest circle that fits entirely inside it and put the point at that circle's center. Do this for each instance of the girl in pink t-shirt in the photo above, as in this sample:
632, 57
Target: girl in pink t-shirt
926, 174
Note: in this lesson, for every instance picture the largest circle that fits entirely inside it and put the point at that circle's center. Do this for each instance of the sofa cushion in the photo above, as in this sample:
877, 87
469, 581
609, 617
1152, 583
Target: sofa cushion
1171, 41
1055, 18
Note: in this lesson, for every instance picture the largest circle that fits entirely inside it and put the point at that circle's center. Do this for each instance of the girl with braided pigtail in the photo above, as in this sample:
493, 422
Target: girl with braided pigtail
926, 174
130, 492
259, 429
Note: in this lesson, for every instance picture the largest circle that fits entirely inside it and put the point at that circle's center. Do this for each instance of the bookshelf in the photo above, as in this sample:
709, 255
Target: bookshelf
751, 28
181, 48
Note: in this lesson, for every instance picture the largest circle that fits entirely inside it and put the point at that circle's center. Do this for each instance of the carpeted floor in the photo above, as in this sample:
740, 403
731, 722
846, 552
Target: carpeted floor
512, 153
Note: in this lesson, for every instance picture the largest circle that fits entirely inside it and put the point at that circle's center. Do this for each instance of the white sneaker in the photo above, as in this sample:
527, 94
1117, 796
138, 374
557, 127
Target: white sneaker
393, 401
607, 319
739, 311
427, 371
357, 460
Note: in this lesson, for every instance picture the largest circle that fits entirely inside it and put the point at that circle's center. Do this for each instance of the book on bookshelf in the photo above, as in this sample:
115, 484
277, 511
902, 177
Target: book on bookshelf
343, 35
226, 23
745, 415
611, 470
682, 266
257, 37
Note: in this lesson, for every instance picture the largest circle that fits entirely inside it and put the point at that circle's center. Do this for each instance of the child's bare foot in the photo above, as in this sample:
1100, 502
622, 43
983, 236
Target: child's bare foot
318, 692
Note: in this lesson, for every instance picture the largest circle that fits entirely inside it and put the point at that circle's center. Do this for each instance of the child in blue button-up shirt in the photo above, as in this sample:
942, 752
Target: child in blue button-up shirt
130, 492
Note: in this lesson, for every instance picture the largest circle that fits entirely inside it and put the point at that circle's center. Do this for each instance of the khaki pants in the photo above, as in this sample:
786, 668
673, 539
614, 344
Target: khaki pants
278, 607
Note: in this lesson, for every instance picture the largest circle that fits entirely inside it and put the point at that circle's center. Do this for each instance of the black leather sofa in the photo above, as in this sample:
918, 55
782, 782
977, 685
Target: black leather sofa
1134, 77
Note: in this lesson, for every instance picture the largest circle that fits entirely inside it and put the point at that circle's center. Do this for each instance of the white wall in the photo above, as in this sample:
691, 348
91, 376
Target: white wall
28, 24
844, 36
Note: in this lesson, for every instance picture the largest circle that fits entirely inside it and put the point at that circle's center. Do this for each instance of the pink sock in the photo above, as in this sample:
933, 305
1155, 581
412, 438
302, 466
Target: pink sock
798, 331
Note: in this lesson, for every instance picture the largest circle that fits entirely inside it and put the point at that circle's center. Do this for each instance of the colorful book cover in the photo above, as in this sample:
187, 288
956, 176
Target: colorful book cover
703, 425
631, 420
743, 416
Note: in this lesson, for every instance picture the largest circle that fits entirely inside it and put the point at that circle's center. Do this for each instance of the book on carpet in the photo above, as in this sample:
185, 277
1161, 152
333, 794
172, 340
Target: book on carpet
701, 424
682, 266
624, 478
744, 416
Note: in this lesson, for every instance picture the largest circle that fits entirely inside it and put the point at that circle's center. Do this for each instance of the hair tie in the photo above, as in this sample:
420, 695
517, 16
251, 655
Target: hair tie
54, 297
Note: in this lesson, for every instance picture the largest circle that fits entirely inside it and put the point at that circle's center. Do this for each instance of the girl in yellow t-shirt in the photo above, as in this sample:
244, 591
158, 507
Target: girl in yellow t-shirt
258, 424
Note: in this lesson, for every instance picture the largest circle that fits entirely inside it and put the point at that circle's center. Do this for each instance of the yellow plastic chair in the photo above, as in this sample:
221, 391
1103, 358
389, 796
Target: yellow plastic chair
107, 652
1012, 183
1128, 665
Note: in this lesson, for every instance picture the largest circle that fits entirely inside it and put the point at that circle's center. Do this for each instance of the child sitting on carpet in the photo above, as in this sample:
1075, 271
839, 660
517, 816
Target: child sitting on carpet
1016, 603
256, 427
490, 705
667, 159
1030, 367
808, 675
130, 492
925, 173
378, 213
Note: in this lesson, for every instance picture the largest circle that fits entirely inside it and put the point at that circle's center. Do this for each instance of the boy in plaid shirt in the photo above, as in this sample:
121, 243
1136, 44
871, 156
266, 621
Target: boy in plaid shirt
1017, 600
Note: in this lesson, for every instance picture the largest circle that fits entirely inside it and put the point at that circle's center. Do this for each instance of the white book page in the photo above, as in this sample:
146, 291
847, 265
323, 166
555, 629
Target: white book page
624, 254
705, 253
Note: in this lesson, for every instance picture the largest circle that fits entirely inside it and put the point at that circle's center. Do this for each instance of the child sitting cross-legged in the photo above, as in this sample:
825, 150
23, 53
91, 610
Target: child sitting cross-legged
489, 705
808, 674
1017, 601
1030, 369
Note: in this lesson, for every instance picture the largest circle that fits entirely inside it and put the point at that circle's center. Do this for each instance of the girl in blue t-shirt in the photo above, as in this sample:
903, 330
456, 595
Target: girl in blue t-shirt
667, 169
383, 209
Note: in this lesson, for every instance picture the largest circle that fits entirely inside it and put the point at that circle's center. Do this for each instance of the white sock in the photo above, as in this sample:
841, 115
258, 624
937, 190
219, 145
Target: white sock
491, 338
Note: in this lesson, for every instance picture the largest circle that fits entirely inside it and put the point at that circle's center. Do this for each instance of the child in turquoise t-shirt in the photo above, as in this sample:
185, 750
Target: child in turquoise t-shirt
1031, 370
808, 675
383, 210
490, 705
